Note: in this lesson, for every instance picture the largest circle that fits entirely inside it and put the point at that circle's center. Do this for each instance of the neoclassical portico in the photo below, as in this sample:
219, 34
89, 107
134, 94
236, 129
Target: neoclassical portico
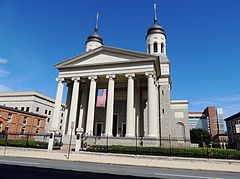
88, 91
138, 88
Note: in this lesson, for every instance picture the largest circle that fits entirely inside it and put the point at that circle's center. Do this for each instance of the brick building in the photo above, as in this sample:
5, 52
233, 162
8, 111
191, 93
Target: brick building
21, 122
233, 129
211, 119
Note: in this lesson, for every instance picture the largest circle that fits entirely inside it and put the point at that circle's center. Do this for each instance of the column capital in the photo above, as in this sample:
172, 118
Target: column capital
110, 77
92, 77
130, 75
150, 74
75, 78
60, 79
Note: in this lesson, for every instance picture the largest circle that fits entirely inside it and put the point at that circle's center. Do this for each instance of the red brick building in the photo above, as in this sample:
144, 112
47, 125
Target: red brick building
21, 122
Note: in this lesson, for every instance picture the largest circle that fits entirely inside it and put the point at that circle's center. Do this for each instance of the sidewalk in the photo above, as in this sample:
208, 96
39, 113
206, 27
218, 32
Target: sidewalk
133, 160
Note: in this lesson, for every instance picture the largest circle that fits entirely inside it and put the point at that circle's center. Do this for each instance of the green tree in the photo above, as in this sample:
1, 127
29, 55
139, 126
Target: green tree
200, 136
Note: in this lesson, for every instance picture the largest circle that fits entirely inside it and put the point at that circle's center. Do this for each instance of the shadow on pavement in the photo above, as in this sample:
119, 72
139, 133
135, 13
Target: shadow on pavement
23, 172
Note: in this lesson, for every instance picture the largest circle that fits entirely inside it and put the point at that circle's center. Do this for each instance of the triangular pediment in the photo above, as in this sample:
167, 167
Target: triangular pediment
103, 55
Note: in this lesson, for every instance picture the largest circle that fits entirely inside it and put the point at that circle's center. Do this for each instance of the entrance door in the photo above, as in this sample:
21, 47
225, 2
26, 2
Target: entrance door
99, 129
115, 125
124, 129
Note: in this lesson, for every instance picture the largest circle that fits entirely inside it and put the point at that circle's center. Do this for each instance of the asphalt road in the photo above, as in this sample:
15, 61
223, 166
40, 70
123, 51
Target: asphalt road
22, 168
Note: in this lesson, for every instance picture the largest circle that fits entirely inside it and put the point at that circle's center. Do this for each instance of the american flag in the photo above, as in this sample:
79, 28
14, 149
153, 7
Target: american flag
101, 98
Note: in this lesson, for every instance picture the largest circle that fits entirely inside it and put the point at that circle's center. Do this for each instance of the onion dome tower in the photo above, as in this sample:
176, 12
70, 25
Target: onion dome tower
156, 37
94, 40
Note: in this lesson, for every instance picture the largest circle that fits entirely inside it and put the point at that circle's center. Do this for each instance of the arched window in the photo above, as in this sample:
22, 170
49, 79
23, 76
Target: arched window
155, 47
181, 127
149, 48
162, 47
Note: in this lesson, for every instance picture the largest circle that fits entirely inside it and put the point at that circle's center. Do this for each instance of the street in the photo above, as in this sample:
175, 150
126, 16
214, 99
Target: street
17, 168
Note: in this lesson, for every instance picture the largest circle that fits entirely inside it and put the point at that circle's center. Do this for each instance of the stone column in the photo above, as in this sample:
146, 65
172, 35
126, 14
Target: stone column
56, 112
110, 104
130, 121
68, 105
157, 107
83, 108
91, 105
152, 118
74, 104
137, 107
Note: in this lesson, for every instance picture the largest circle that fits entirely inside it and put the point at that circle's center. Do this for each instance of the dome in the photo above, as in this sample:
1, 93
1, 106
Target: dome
156, 29
95, 37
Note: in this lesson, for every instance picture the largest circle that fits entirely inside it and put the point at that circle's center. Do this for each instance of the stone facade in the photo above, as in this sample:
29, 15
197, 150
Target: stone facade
138, 95
34, 102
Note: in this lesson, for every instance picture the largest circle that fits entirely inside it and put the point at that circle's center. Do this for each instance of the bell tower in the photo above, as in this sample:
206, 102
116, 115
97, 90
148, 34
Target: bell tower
156, 37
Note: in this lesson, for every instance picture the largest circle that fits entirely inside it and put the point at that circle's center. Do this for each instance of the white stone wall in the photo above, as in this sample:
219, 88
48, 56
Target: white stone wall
159, 38
179, 116
92, 45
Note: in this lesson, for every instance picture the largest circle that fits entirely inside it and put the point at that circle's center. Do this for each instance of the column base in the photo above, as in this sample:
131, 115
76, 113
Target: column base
130, 135
151, 137
107, 135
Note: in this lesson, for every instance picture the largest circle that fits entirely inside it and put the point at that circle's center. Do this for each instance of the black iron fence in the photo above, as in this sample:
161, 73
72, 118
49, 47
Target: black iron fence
158, 147
28, 140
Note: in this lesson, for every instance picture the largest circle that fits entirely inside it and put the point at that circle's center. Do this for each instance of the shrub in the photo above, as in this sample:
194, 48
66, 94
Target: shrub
178, 152
24, 143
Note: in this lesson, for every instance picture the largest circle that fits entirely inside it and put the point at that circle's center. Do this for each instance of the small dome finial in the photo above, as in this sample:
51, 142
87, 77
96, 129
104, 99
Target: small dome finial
96, 25
94, 40
155, 13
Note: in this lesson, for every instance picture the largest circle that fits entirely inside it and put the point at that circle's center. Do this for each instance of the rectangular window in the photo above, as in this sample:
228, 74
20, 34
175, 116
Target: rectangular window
37, 131
39, 122
48, 120
37, 109
62, 115
23, 130
25, 120
9, 117
60, 128
27, 110
22, 108
163, 111
61, 121
16, 107
45, 111
49, 112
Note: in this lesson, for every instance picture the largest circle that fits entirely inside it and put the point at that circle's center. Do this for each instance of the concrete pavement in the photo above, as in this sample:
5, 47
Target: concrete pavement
133, 160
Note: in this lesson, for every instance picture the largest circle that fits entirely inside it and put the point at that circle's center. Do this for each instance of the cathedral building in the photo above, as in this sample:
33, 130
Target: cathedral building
121, 95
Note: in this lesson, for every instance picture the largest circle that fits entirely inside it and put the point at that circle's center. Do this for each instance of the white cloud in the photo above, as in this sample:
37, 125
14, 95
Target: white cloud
3, 72
4, 88
3, 60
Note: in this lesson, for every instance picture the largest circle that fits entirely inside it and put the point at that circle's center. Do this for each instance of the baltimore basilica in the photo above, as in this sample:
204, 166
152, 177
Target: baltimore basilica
121, 95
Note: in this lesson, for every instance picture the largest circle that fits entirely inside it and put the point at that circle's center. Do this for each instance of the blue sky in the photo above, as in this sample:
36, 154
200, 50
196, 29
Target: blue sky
202, 43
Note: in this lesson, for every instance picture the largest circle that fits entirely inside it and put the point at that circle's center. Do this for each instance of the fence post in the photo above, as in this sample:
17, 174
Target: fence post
207, 152
6, 142
107, 142
136, 145
27, 140
170, 145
